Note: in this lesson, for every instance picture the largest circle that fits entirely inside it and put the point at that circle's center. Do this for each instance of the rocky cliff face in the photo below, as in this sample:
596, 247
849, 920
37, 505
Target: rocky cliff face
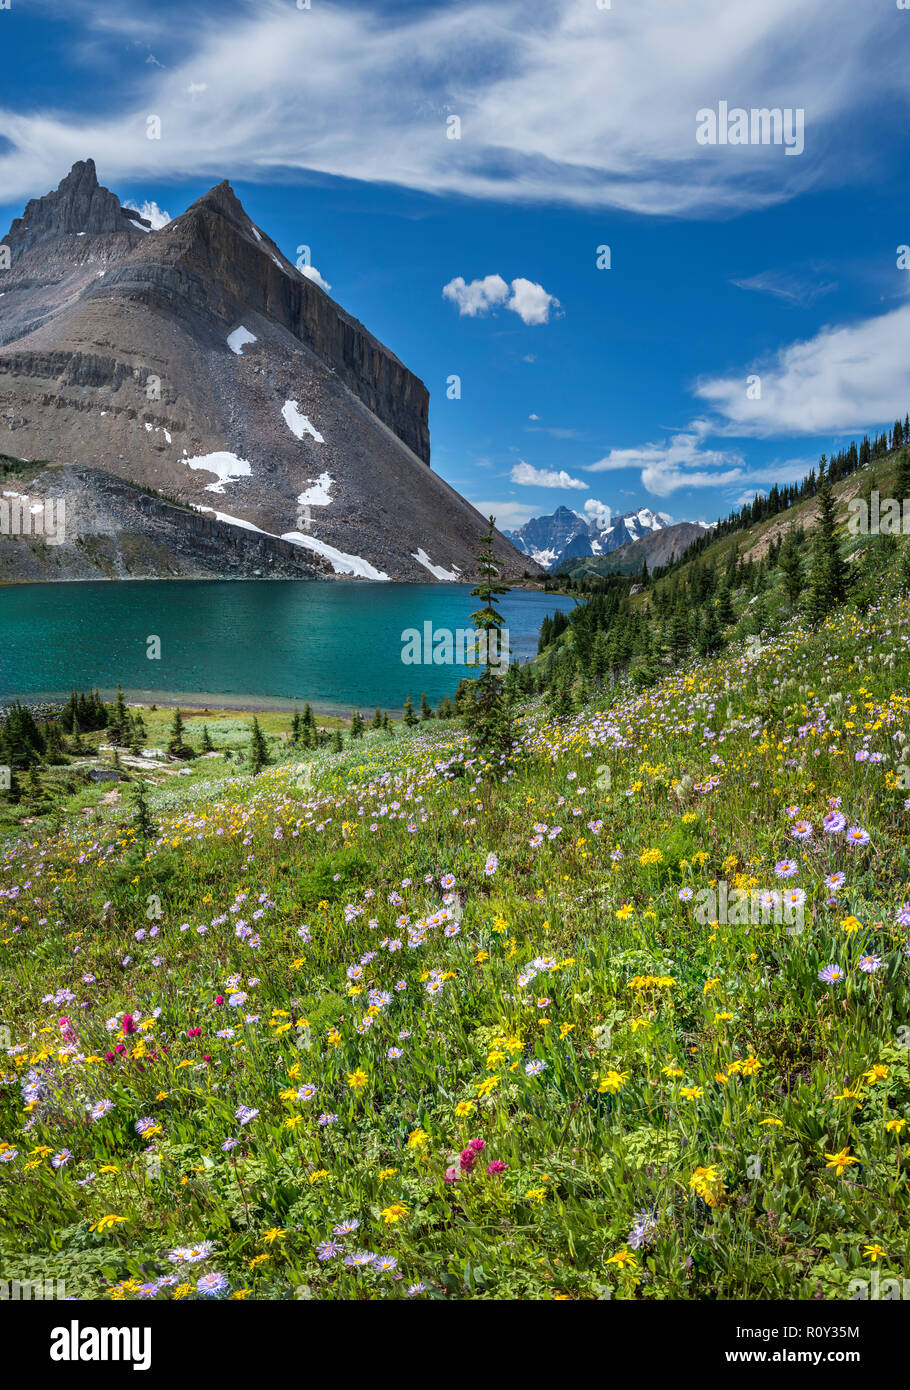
197, 360
81, 523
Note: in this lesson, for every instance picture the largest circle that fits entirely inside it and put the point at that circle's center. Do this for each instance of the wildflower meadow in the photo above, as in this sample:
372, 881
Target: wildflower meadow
411, 1021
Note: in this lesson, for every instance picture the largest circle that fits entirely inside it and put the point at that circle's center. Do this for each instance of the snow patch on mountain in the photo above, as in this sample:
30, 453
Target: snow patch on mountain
317, 494
298, 424
423, 558
238, 340
341, 563
226, 467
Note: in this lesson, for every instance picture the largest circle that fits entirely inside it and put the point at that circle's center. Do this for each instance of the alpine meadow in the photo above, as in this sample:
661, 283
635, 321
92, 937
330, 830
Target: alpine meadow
454, 680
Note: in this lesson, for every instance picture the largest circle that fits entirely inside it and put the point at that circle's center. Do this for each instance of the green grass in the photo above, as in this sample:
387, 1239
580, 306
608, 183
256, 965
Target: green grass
695, 1070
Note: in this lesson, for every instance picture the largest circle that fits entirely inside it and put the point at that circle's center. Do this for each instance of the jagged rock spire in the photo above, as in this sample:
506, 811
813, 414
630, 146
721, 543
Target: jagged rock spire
79, 204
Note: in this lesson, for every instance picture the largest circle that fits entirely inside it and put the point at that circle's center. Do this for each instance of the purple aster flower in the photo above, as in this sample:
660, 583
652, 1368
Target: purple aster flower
328, 1249
212, 1284
831, 975
360, 1259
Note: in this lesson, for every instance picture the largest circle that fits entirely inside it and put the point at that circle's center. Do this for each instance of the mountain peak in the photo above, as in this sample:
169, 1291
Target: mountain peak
78, 206
197, 361
565, 535
222, 198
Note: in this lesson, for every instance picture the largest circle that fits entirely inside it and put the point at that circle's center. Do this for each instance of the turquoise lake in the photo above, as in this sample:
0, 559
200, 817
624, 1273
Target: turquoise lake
255, 642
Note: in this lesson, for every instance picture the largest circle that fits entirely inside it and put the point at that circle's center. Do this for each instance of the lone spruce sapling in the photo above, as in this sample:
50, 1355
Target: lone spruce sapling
488, 716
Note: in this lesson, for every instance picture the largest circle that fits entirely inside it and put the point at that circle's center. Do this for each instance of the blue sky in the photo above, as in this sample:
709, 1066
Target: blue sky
579, 386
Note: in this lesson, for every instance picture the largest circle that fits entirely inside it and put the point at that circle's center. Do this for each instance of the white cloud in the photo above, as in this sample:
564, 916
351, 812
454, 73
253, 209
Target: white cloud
845, 378
195, 87
478, 297
598, 512
684, 462
529, 476
312, 273
528, 300
663, 466
531, 302
585, 106
151, 212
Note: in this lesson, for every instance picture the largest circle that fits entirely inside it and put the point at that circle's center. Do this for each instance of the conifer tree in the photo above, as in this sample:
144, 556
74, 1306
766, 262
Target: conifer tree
408, 715
337, 745
709, 635
35, 793
142, 818
175, 739
119, 732
489, 714
207, 744
356, 730
725, 611
829, 580
791, 566
679, 635
425, 711
259, 753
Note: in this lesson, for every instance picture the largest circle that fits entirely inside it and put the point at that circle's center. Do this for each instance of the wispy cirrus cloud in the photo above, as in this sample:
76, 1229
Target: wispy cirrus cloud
794, 287
568, 103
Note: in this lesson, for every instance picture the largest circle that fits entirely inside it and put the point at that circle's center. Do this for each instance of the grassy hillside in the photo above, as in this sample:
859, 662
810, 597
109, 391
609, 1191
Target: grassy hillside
406, 1022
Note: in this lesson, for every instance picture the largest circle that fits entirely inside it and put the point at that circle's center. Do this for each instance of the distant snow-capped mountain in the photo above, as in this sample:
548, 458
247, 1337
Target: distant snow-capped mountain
566, 535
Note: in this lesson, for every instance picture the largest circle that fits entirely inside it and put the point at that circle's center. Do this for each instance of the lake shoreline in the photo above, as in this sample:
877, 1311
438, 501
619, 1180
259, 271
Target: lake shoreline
251, 646
195, 703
